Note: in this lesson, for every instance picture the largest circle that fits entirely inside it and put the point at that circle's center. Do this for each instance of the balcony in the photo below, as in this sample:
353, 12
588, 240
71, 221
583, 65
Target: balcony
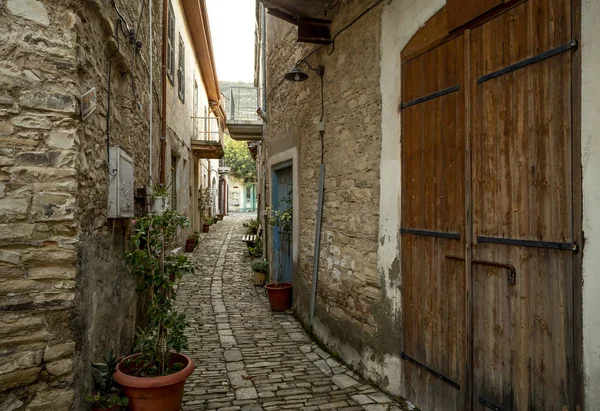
206, 139
242, 121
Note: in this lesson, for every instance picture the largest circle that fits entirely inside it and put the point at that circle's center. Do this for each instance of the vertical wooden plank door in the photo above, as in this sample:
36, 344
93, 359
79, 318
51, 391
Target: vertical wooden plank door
282, 241
433, 227
488, 305
522, 209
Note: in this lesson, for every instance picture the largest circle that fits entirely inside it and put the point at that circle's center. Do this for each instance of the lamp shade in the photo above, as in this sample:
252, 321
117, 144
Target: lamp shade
296, 74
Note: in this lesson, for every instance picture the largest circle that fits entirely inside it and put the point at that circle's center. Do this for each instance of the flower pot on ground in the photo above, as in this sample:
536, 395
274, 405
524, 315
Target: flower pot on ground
220, 217
159, 268
162, 393
192, 241
280, 296
205, 228
260, 268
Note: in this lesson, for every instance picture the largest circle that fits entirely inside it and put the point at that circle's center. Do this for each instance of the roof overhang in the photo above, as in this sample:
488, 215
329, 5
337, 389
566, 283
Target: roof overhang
196, 16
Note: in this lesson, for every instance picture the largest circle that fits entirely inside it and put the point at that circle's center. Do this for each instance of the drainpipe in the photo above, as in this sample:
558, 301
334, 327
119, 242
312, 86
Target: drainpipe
150, 93
163, 131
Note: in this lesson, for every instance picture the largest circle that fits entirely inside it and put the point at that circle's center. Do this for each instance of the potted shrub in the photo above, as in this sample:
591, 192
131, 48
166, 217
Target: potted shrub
107, 395
261, 269
280, 293
208, 221
160, 198
155, 376
192, 241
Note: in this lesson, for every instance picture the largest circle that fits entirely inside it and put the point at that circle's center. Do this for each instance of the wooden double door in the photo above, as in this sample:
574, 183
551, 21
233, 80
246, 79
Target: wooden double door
489, 234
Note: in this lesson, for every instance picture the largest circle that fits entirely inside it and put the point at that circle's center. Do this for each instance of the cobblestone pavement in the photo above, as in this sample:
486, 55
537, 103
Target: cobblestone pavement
248, 357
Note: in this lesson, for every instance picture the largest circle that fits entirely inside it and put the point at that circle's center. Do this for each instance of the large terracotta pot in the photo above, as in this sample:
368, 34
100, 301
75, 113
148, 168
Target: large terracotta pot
154, 393
190, 244
280, 296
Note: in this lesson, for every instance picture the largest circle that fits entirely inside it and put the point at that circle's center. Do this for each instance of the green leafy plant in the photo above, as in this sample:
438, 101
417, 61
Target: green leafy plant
160, 190
260, 266
238, 158
256, 251
195, 237
252, 226
159, 270
107, 394
209, 220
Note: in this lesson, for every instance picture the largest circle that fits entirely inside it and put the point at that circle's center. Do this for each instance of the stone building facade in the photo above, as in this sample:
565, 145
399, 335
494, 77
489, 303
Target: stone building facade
66, 297
360, 296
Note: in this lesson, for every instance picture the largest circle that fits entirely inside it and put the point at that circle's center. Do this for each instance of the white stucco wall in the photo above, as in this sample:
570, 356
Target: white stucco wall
590, 146
400, 21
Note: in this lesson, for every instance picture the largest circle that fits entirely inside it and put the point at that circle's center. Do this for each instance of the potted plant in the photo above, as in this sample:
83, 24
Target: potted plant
107, 395
155, 376
160, 198
208, 221
192, 241
280, 293
261, 269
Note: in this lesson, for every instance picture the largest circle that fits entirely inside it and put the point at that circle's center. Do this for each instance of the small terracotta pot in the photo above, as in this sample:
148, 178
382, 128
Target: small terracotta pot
205, 228
260, 278
154, 393
280, 296
190, 244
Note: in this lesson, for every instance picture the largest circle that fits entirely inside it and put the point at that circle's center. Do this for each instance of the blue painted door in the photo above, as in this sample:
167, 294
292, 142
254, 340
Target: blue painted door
281, 200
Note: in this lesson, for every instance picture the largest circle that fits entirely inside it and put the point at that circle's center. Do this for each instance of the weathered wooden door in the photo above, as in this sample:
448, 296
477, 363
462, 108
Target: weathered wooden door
488, 244
433, 227
282, 239
523, 237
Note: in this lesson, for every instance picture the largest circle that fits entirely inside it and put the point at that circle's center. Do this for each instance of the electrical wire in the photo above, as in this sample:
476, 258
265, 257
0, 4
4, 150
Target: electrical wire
118, 26
371, 7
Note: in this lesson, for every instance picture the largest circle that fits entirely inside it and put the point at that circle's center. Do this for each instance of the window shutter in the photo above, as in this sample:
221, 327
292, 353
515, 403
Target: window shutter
170, 43
181, 71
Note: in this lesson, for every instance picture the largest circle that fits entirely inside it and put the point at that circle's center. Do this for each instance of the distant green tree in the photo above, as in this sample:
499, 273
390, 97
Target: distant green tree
238, 158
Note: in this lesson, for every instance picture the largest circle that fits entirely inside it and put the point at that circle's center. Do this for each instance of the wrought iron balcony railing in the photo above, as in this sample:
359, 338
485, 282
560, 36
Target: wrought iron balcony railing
241, 104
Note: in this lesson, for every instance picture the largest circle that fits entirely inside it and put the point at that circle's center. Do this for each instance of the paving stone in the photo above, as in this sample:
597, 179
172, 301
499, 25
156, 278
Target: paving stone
247, 357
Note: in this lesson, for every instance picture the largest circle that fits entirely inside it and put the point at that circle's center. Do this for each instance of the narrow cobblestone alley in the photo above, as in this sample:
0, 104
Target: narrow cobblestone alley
247, 357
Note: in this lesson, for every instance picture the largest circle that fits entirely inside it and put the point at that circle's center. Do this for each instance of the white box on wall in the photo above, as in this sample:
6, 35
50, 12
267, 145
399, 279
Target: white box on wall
120, 186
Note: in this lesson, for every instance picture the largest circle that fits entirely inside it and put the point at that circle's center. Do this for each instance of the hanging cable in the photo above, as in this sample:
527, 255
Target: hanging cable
371, 7
118, 26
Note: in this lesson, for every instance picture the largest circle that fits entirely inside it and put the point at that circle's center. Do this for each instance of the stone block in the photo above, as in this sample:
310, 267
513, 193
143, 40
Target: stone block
31, 121
13, 324
60, 367
51, 273
10, 257
16, 231
21, 357
18, 378
29, 9
44, 255
13, 209
55, 352
55, 400
10, 402
48, 101
53, 207
6, 128
61, 139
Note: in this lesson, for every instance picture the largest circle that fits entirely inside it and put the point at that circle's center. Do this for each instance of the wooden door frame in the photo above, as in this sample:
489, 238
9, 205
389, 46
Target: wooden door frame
417, 47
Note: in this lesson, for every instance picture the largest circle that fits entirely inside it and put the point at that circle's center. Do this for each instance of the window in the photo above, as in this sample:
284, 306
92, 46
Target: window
181, 71
170, 43
195, 111
173, 182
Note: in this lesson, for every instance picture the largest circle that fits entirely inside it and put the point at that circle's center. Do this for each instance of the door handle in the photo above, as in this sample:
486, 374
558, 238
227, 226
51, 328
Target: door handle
512, 271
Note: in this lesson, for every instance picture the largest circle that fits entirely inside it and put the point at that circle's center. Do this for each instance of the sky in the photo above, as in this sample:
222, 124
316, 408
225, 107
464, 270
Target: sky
232, 29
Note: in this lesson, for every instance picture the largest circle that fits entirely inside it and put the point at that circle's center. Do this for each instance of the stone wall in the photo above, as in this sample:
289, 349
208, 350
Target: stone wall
65, 297
353, 315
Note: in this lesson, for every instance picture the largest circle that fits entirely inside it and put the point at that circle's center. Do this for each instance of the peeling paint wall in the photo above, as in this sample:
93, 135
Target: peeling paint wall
590, 146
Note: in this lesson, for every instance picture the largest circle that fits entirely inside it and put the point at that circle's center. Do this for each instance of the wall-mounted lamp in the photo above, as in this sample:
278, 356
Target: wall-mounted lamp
296, 74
